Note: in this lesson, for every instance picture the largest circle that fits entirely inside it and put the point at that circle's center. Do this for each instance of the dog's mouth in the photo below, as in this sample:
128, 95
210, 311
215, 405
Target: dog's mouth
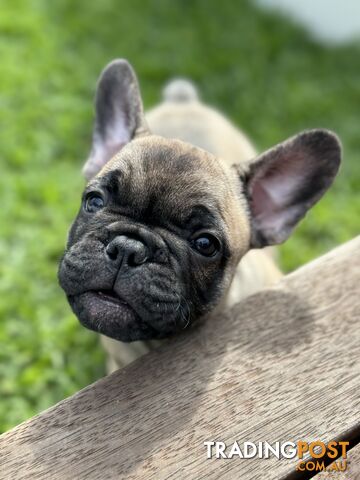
104, 311
110, 296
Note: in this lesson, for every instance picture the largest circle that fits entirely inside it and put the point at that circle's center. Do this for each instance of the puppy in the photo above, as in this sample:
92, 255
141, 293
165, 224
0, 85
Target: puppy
163, 234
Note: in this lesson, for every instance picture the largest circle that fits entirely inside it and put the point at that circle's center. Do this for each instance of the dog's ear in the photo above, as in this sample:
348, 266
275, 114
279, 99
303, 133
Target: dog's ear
119, 115
284, 182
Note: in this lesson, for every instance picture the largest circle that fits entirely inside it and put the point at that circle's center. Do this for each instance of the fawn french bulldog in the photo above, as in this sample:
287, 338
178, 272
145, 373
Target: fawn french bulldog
172, 225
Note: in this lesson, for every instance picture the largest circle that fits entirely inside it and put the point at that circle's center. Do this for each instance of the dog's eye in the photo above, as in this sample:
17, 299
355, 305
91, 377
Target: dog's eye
206, 244
94, 202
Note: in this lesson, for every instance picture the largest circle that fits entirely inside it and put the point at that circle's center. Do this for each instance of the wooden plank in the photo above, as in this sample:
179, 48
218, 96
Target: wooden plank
352, 471
281, 366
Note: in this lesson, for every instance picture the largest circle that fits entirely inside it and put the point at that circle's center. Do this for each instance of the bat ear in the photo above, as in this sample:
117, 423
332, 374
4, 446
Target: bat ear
284, 182
119, 115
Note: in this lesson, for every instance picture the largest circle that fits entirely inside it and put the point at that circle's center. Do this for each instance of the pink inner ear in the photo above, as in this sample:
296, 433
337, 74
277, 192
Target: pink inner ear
99, 157
261, 201
107, 143
271, 191
272, 188
287, 180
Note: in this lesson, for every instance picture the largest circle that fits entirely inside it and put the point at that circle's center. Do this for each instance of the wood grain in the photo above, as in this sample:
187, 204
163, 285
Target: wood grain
352, 472
280, 366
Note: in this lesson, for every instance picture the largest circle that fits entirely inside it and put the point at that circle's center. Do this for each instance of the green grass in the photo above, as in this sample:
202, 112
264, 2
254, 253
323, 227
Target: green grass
261, 70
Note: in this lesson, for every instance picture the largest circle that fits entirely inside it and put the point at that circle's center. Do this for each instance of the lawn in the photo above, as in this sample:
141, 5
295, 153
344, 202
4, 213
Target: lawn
259, 68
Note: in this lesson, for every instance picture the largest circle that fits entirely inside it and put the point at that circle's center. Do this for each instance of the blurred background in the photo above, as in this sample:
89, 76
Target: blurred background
266, 66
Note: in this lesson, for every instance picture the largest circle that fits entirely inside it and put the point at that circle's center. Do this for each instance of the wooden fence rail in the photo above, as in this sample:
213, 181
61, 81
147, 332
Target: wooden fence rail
282, 365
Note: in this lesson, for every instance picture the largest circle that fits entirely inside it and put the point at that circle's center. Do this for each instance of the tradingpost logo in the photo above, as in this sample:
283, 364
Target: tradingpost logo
313, 456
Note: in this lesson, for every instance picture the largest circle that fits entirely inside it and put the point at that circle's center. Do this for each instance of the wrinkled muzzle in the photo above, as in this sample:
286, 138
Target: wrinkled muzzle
127, 288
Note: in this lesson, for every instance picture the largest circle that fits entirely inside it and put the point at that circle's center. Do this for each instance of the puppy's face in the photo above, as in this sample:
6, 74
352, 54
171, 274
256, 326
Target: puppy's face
163, 225
152, 247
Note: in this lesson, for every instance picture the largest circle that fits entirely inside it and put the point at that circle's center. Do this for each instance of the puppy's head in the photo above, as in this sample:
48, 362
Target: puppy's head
162, 224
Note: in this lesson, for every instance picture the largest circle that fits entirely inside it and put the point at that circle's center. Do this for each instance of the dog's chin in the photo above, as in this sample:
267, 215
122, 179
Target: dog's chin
106, 313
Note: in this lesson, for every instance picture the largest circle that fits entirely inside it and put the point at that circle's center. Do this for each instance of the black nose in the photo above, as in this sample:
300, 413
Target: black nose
125, 251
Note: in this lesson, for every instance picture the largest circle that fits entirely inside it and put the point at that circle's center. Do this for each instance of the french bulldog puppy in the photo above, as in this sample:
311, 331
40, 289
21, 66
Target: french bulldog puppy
166, 222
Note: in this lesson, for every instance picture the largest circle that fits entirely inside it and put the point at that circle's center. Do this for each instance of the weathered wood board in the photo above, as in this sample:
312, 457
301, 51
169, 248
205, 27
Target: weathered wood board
283, 365
352, 471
